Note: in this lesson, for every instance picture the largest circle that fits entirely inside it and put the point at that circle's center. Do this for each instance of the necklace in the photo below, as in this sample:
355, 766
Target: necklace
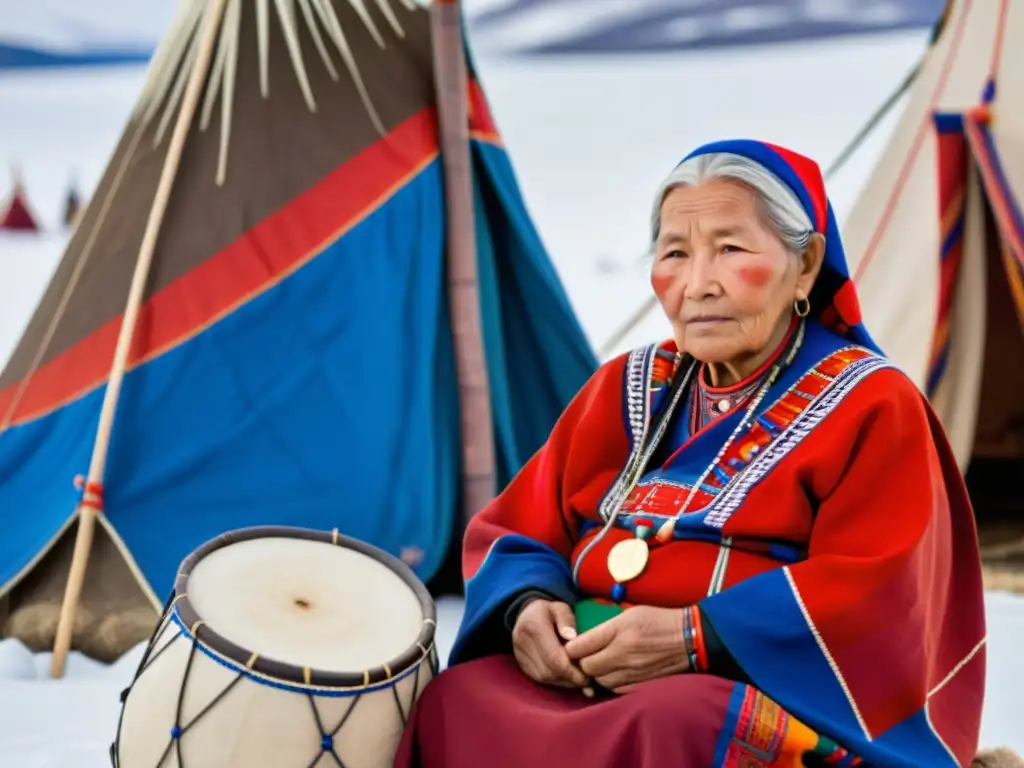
707, 404
629, 557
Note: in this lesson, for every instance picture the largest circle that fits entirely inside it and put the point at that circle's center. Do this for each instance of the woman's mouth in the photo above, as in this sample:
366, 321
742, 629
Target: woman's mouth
707, 320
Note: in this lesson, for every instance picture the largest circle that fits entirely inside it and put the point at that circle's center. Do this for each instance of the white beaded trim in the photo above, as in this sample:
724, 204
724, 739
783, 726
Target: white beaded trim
723, 506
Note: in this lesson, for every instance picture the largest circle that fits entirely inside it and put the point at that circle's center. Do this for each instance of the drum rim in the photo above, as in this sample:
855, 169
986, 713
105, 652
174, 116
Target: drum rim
421, 649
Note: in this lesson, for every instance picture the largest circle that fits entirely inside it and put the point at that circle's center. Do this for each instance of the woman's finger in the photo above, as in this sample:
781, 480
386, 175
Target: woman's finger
530, 656
603, 662
615, 681
550, 654
528, 666
565, 670
565, 620
591, 641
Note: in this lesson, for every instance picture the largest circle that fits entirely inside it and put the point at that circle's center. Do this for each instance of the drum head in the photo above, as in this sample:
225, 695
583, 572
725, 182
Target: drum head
306, 600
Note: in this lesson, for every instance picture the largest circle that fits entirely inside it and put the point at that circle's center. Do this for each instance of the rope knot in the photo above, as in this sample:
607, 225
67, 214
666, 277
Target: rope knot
90, 494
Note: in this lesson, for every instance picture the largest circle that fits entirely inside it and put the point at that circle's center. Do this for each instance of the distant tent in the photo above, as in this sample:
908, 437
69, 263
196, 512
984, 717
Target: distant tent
293, 360
936, 239
15, 214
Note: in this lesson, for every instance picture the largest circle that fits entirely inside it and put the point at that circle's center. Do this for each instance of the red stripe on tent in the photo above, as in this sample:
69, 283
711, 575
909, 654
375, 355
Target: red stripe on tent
1007, 211
481, 122
255, 262
997, 48
952, 178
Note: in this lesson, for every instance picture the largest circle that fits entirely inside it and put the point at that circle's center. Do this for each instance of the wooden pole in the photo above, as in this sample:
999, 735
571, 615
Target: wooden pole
451, 84
91, 503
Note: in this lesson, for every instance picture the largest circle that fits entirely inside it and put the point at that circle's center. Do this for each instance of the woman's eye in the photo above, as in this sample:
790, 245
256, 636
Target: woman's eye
676, 254
731, 249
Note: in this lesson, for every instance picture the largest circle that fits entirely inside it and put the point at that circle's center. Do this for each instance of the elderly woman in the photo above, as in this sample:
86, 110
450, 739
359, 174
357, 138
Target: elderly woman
748, 546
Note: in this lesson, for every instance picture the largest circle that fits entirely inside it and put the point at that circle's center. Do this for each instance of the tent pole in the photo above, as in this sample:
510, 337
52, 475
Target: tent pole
451, 84
852, 146
89, 507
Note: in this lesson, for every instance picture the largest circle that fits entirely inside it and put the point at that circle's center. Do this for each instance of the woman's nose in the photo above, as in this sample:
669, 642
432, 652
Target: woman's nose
701, 277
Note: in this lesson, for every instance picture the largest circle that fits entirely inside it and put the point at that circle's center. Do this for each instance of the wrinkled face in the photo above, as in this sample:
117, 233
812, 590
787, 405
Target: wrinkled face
723, 277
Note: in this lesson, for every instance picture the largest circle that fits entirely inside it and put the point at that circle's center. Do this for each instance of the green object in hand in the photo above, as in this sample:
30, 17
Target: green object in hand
590, 613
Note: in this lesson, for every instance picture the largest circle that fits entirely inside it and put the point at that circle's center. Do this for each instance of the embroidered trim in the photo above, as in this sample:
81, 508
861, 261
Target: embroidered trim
782, 426
638, 404
763, 431
638, 382
723, 506
761, 731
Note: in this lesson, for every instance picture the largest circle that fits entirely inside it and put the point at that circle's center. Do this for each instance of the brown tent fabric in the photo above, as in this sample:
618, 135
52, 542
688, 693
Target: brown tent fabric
999, 433
202, 217
113, 616
89, 287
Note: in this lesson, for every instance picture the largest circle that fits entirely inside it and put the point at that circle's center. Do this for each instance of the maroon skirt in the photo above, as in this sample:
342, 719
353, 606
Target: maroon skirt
488, 714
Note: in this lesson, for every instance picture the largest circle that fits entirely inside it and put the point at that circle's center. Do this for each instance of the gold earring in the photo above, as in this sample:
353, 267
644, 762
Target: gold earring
802, 307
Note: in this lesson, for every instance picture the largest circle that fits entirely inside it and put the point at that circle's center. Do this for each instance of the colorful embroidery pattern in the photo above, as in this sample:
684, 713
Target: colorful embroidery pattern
766, 735
662, 369
784, 412
807, 412
648, 376
803, 405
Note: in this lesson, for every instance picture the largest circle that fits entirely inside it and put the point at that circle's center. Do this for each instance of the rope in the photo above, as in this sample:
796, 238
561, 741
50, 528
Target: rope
836, 165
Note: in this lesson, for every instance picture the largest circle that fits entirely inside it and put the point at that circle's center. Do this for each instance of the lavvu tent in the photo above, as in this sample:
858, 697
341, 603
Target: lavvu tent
306, 291
936, 238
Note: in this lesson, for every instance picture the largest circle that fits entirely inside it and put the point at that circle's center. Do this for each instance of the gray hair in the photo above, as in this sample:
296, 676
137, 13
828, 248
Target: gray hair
782, 208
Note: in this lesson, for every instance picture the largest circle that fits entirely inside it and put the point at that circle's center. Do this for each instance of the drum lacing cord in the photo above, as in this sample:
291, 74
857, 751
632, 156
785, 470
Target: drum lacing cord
177, 730
327, 737
144, 663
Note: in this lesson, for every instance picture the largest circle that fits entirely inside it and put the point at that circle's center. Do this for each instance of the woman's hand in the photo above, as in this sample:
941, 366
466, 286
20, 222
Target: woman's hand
641, 643
537, 641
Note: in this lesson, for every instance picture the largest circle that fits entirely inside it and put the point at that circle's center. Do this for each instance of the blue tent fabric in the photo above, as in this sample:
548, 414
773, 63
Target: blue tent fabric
537, 356
328, 401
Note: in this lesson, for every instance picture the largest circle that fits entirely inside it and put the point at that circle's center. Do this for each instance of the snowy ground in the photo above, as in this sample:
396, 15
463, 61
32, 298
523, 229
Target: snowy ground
70, 723
590, 138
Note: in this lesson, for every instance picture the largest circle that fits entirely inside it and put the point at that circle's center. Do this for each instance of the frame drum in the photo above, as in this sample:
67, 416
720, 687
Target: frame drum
281, 647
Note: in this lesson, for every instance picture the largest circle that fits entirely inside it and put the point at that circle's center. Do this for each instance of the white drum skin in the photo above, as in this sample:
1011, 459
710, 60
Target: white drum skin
337, 616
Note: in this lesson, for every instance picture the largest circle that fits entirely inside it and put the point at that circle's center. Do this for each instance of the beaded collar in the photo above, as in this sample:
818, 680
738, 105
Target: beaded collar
707, 403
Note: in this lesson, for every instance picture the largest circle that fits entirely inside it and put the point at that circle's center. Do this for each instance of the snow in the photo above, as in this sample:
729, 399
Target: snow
590, 137
70, 723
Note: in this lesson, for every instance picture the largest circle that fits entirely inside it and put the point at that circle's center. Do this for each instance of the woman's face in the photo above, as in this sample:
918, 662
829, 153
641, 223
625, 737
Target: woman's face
724, 278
